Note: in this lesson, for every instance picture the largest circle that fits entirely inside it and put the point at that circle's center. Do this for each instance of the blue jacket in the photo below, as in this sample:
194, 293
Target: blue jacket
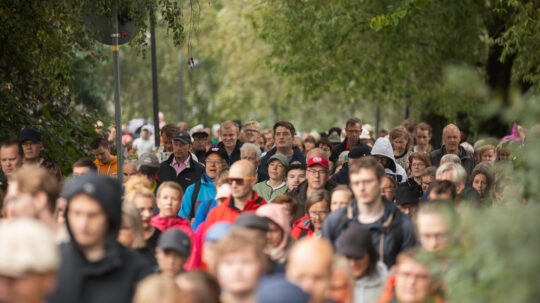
396, 227
202, 212
207, 191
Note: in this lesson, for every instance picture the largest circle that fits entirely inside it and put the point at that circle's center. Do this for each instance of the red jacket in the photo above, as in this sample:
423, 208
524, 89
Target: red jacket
166, 223
302, 228
227, 212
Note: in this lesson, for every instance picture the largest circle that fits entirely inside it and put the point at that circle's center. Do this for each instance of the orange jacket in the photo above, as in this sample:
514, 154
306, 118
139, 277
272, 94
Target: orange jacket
227, 212
110, 169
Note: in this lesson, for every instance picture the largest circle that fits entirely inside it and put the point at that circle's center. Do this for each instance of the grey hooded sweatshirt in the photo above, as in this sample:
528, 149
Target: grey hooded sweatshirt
368, 289
383, 147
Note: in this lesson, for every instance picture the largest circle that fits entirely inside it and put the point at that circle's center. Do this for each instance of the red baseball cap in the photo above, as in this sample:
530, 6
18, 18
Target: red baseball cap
318, 160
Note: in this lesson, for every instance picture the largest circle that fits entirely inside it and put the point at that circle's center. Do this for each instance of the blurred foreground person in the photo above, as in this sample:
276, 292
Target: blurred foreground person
342, 283
279, 241
279, 290
29, 259
311, 272
200, 285
240, 263
32, 192
433, 225
94, 266
368, 271
157, 288
172, 252
412, 283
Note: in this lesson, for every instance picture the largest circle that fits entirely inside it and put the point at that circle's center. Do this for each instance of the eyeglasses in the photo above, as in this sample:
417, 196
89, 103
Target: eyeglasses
207, 161
353, 131
420, 164
239, 181
317, 172
318, 213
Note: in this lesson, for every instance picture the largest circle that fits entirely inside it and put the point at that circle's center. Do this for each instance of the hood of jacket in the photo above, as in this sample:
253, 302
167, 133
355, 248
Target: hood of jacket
383, 147
107, 192
277, 215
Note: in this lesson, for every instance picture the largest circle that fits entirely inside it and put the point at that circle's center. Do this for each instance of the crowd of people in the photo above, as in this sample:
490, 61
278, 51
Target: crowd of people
236, 213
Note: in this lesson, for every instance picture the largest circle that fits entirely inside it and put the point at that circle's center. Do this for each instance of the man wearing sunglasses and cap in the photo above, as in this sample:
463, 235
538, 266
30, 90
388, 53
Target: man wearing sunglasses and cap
243, 198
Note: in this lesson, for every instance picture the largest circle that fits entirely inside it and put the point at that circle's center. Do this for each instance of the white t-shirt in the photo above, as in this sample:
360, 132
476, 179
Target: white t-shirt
143, 146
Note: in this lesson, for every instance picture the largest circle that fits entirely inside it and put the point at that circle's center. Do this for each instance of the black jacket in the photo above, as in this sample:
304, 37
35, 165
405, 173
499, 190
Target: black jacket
396, 227
235, 155
466, 157
187, 177
297, 156
112, 279
300, 195
341, 147
342, 176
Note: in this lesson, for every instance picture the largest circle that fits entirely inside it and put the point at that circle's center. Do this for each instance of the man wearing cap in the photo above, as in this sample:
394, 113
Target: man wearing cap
368, 271
148, 166
392, 232
31, 144
144, 144
106, 163
11, 156
342, 176
204, 189
200, 139
29, 260
229, 132
94, 266
242, 199
316, 178
284, 133
172, 252
276, 185
181, 167
353, 129
407, 199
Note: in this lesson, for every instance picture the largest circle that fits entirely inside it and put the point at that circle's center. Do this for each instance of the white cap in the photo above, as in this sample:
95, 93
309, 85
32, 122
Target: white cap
28, 246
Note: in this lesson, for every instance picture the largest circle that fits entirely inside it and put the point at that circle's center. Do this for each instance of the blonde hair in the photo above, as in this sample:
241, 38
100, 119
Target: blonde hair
136, 182
32, 180
170, 184
140, 191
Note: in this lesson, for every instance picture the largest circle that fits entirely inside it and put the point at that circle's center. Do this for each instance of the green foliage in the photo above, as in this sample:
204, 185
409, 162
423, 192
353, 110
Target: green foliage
44, 46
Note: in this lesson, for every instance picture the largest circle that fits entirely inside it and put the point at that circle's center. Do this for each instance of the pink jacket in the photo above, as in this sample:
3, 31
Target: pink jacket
166, 223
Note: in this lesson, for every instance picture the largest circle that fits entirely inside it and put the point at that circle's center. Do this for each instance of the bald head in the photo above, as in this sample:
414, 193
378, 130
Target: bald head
317, 152
243, 168
451, 137
311, 271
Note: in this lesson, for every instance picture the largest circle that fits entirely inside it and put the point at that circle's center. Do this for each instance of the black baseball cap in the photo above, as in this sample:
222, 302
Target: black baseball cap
405, 195
175, 239
295, 165
182, 136
219, 151
355, 242
359, 151
251, 220
30, 134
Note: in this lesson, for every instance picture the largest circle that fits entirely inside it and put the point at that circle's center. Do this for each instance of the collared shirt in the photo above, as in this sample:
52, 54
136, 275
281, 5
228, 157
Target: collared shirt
179, 167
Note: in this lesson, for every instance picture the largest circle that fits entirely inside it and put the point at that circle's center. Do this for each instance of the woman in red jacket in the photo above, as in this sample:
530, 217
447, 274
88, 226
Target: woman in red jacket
317, 209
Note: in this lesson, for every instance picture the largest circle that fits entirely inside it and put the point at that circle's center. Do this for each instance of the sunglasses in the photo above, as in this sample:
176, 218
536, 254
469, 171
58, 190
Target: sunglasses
239, 181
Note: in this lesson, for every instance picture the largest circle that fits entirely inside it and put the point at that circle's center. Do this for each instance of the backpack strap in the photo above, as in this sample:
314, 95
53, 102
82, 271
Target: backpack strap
194, 199
385, 224
342, 222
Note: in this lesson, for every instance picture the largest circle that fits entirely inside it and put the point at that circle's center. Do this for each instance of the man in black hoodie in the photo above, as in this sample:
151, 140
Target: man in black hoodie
94, 266
284, 132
